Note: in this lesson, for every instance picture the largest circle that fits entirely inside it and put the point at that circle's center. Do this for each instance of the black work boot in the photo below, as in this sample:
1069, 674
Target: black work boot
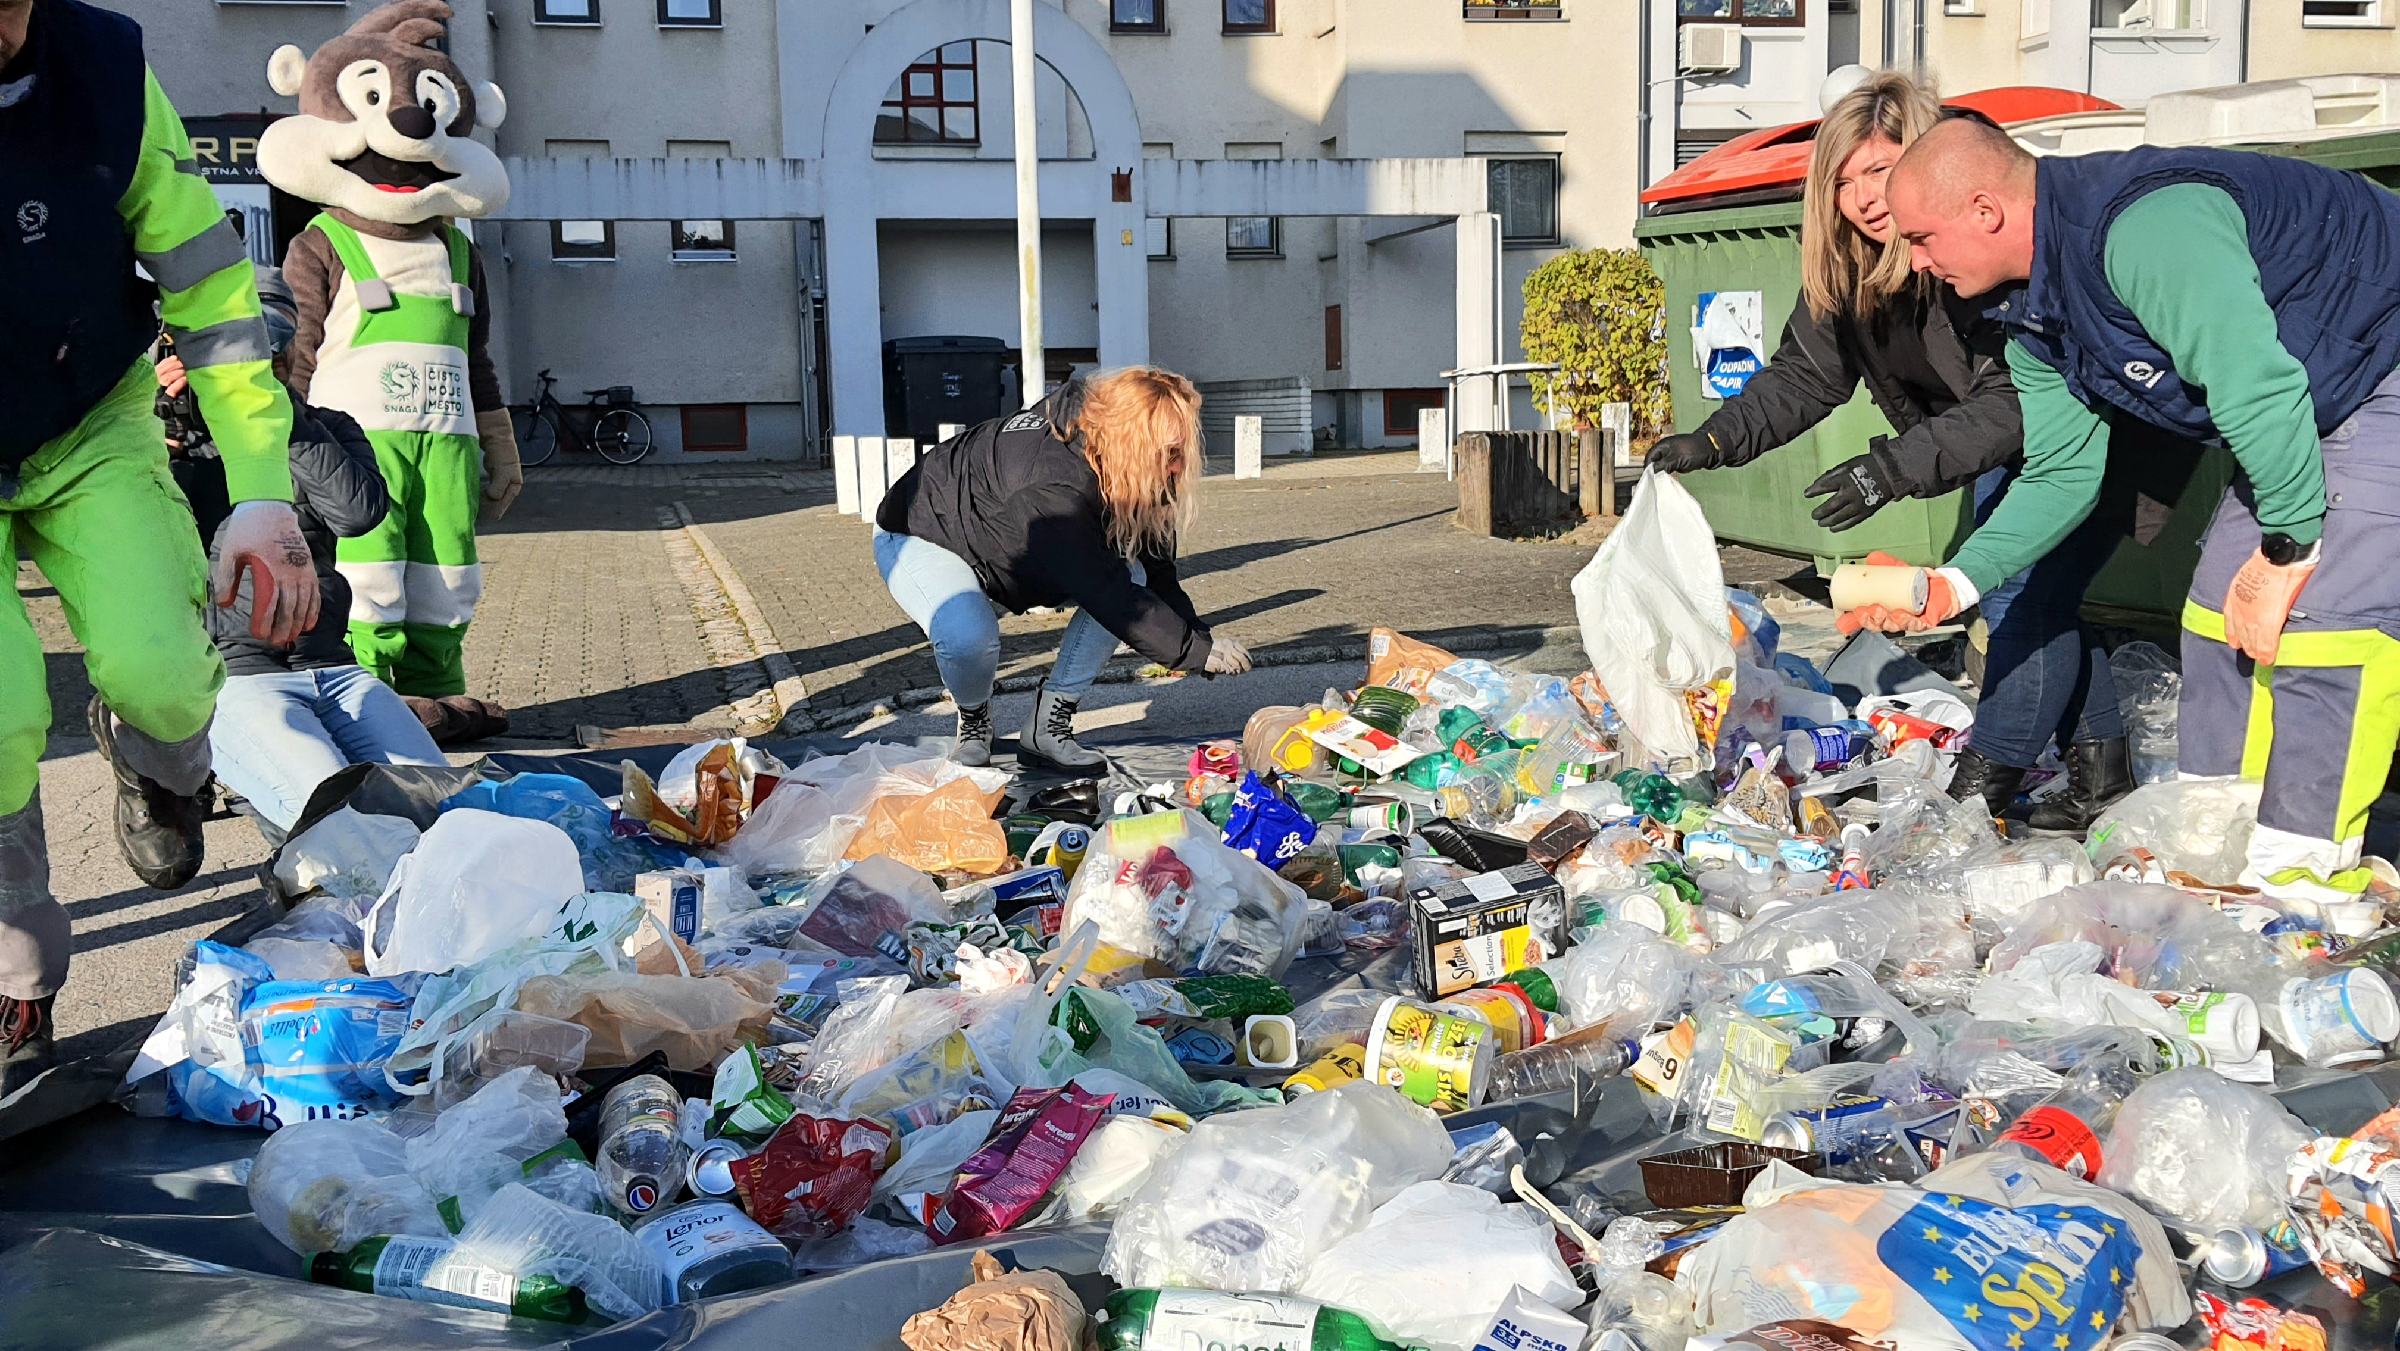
158, 832
25, 1046
2098, 773
1996, 783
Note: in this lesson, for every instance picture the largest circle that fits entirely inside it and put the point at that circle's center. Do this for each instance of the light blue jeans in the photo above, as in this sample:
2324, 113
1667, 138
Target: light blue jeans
939, 592
278, 736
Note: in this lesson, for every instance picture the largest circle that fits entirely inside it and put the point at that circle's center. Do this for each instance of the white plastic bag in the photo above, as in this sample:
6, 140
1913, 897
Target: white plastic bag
323, 1186
1113, 1164
1651, 605
476, 883
2196, 826
1252, 1198
1167, 886
1434, 1262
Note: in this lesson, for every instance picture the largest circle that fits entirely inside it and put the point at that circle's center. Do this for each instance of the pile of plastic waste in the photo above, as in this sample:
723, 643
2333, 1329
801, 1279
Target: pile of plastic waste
1672, 1003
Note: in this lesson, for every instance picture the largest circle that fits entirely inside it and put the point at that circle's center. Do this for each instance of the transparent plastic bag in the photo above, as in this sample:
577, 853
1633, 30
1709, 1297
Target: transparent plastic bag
1651, 605
324, 1186
346, 853
855, 1040
1432, 1263
2158, 938
481, 1145
524, 1233
2203, 1151
859, 911
2149, 689
2196, 826
476, 883
1253, 1198
694, 1020
1625, 978
1167, 887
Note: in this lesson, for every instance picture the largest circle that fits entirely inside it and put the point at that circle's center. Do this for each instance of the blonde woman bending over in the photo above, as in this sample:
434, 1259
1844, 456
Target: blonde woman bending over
1078, 501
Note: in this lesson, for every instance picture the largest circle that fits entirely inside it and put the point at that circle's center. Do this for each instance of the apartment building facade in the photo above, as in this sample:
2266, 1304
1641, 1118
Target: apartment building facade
1339, 327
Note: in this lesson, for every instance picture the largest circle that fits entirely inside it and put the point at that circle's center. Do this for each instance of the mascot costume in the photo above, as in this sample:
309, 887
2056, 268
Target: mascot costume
395, 330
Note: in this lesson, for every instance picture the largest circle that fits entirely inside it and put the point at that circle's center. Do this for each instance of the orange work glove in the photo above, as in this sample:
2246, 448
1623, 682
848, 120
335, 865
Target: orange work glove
2259, 602
1946, 594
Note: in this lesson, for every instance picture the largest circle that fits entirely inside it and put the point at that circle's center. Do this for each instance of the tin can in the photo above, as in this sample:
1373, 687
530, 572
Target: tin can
1828, 748
1838, 1129
1344, 1064
1435, 1058
2243, 1256
1383, 818
1898, 729
710, 1172
1061, 845
1852, 875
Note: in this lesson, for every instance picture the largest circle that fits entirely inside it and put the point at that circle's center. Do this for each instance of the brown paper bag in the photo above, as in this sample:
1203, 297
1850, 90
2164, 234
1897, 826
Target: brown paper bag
1001, 1311
696, 1020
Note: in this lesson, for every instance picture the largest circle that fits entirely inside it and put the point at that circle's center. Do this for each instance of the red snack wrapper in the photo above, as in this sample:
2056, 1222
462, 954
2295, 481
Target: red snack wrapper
1030, 1146
2256, 1325
813, 1176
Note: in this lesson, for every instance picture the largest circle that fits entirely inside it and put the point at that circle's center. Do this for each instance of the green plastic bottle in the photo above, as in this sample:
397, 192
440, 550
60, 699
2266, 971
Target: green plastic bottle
1144, 1319
427, 1270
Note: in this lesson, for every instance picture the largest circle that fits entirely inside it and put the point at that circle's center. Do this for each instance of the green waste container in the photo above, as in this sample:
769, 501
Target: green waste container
1762, 504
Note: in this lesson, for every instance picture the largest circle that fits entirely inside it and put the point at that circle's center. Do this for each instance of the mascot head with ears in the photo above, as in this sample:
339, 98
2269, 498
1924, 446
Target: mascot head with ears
385, 124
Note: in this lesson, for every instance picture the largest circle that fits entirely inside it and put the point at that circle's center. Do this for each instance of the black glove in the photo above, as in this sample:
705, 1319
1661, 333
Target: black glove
1857, 488
1684, 452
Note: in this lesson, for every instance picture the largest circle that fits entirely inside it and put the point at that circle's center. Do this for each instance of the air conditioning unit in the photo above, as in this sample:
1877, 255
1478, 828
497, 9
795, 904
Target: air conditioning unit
1708, 48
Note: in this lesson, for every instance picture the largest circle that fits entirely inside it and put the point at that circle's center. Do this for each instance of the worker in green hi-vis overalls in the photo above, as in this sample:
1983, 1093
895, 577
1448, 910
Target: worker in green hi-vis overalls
392, 329
396, 359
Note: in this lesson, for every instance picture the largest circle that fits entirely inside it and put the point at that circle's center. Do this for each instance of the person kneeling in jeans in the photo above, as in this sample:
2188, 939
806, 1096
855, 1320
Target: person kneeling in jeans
289, 717
1081, 500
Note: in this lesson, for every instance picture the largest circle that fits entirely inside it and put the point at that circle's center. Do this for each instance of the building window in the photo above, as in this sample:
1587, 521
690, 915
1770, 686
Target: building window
933, 101
1249, 16
566, 11
1962, 9
715, 428
2146, 16
1401, 406
1514, 9
2341, 13
1137, 16
1333, 337
704, 241
583, 241
1161, 232
1755, 13
691, 14
1253, 237
1525, 193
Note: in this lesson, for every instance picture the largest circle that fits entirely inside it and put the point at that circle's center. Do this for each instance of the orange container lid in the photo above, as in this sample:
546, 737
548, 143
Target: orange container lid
1756, 164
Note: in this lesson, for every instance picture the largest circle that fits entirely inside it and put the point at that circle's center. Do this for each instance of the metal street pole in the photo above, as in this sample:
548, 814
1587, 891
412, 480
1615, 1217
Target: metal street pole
1029, 202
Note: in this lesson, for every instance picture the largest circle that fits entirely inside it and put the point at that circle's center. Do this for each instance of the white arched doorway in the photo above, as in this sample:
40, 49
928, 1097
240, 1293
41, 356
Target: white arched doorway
864, 187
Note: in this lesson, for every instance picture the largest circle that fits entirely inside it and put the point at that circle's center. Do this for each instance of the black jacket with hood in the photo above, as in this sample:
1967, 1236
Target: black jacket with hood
1936, 365
338, 491
1016, 498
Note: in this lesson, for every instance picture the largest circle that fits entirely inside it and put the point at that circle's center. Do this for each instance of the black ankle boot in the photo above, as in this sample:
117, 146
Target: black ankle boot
159, 833
1996, 783
2098, 773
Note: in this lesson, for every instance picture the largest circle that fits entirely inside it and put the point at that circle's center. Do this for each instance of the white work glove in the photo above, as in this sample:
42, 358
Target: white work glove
1226, 656
265, 538
503, 473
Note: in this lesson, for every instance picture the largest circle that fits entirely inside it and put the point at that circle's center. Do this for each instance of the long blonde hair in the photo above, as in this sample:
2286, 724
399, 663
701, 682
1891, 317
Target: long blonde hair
1841, 269
1141, 431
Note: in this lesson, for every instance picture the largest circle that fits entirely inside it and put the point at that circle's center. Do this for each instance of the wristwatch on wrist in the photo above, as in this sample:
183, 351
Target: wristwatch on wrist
2283, 551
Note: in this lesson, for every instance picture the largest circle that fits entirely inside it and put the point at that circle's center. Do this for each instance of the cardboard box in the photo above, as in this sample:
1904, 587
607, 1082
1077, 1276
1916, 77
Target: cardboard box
673, 896
1478, 929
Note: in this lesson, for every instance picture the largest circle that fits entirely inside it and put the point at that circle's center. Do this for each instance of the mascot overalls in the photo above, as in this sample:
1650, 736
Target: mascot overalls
394, 329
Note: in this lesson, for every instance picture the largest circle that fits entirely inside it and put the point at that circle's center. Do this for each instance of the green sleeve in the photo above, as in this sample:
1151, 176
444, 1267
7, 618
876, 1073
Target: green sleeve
2066, 453
2180, 260
208, 300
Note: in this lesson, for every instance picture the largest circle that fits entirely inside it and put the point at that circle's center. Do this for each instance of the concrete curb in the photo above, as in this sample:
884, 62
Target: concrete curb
1505, 641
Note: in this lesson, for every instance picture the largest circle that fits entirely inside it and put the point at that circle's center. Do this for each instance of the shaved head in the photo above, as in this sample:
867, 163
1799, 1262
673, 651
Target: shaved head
1963, 197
